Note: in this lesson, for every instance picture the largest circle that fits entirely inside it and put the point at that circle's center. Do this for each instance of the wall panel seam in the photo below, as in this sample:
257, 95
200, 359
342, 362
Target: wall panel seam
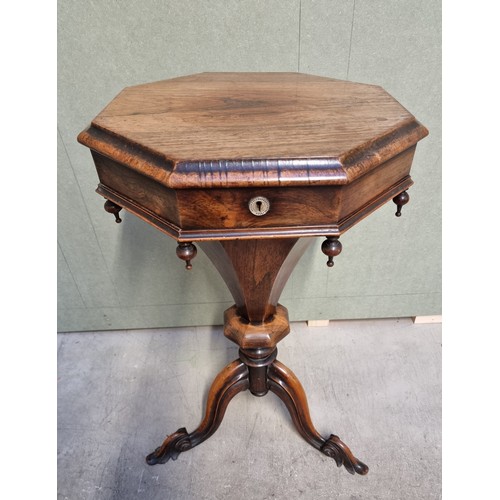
89, 217
74, 281
300, 22
350, 39
228, 302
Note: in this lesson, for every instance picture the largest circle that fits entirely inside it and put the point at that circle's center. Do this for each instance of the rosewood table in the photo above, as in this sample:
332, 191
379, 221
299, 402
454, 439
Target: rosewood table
251, 167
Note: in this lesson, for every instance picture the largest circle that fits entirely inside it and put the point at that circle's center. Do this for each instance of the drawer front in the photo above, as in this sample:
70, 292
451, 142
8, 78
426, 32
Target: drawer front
258, 208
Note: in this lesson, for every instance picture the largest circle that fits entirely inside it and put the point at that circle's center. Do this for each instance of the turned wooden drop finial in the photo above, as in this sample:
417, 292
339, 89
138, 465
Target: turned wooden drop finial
331, 247
114, 209
186, 251
400, 200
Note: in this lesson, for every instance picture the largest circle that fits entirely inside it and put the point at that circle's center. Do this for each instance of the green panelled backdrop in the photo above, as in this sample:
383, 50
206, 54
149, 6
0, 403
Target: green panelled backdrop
122, 276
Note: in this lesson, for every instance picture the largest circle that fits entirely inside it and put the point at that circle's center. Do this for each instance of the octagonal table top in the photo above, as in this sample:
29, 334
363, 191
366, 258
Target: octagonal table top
223, 130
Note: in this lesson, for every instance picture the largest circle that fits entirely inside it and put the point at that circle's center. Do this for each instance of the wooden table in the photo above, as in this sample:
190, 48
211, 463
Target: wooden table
251, 166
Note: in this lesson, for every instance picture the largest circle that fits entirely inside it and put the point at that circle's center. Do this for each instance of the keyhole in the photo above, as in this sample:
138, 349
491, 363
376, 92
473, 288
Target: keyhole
259, 205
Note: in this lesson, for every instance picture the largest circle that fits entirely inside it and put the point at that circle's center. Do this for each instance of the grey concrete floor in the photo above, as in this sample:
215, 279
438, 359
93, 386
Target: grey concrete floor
375, 383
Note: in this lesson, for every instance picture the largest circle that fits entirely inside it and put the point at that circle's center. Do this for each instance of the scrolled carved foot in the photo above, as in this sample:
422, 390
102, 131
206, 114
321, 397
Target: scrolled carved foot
340, 452
171, 448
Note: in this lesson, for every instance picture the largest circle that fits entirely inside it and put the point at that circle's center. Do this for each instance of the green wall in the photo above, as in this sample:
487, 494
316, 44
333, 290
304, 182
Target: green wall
121, 276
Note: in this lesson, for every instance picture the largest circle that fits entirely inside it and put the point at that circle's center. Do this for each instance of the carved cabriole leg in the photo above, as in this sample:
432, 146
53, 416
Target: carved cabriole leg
230, 381
286, 386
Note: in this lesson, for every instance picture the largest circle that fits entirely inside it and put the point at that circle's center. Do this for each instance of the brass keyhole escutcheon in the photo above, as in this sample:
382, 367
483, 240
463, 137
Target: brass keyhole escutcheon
259, 205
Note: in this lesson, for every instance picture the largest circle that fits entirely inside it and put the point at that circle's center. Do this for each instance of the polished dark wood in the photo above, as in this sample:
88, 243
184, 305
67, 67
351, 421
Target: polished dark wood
287, 387
186, 251
400, 200
114, 209
255, 272
246, 373
331, 247
230, 381
189, 154
220, 130
251, 167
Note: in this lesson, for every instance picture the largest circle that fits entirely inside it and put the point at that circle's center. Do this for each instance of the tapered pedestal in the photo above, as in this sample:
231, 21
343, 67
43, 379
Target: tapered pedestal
256, 272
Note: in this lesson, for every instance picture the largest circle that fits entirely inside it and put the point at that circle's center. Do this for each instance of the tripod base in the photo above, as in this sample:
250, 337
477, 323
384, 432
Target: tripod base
276, 377
255, 272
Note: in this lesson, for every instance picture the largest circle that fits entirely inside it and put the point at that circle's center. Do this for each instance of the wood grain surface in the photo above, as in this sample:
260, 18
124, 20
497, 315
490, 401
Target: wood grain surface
252, 129
188, 155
